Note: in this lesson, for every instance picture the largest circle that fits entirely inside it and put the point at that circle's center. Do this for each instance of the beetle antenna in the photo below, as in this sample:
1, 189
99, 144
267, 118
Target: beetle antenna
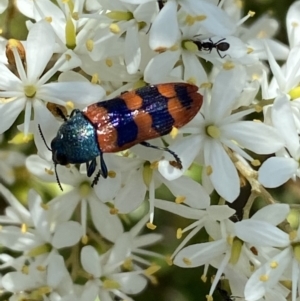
57, 179
56, 175
42, 135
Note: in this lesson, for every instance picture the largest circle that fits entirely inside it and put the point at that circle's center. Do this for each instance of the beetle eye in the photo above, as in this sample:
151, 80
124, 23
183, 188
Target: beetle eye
60, 158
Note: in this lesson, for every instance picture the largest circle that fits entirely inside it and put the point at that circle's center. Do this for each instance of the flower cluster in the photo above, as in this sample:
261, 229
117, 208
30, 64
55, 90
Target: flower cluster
75, 245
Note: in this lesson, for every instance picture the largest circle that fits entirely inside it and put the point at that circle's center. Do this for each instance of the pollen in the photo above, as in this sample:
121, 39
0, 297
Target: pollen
200, 18
187, 261
151, 226
295, 93
108, 62
114, 211
24, 228
89, 44
251, 13
264, 278
174, 132
10, 53
30, 91
49, 171
41, 268
258, 108
44, 206
213, 131
209, 298
95, 78
70, 105
75, 16
169, 261
206, 85
25, 269
152, 269
228, 65
154, 165
127, 265
192, 80
273, 264
179, 233
180, 199
249, 50
111, 174
114, 28
68, 57
209, 170
204, 278
48, 19
190, 20
295, 24
84, 239
292, 234
255, 163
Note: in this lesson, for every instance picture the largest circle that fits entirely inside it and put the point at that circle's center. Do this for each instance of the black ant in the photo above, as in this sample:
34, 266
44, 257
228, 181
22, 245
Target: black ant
208, 46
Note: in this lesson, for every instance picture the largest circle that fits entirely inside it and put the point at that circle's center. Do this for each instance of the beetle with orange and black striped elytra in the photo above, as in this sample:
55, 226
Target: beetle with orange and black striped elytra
124, 121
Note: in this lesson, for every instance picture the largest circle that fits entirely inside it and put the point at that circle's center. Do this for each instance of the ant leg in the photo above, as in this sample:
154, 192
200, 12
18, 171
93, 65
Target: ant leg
177, 163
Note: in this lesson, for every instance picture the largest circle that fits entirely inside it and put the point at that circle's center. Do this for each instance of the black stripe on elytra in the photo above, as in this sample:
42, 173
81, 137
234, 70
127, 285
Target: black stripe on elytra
183, 96
121, 118
156, 105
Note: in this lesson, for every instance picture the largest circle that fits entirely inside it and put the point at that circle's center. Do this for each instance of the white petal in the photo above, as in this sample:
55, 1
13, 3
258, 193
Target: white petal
255, 136
109, 226
132, 194
178, 209
227, 88
193, 69
292, 18
261, 233
90, 261
160, 66
276, 171
166, 20
3, 6
200, 254
217, 21
81, 93
194, 194
131, 283
16, 282
273, 214
132, 50
67, 234
283, 120
224, 175
9, 112
40, 44
256, 288
56, 271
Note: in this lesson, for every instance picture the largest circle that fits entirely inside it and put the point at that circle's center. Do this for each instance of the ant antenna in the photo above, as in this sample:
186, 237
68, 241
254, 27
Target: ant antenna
55, 170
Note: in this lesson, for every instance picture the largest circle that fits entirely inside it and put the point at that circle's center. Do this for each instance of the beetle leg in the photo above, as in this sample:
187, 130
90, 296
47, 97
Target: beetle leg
177, 163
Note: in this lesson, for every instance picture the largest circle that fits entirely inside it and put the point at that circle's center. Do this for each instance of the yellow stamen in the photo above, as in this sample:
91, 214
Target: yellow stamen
180, 199
151, 226
187, 261
84, 239
89, 44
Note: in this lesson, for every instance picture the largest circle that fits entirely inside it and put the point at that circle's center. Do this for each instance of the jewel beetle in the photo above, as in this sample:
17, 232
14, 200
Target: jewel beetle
124, 121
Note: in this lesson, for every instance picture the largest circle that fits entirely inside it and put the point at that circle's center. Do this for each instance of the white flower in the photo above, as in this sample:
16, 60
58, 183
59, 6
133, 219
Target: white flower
275, 171
30, 90
217, 129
